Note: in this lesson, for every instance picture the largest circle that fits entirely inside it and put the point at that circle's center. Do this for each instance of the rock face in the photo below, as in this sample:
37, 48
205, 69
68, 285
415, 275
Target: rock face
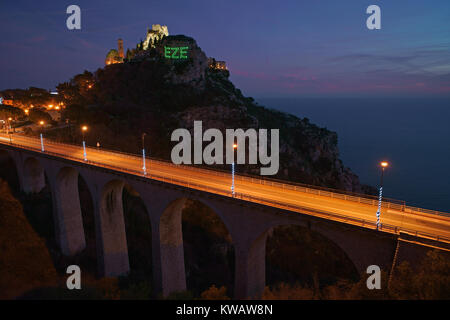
158, 94
308, 154
191, 71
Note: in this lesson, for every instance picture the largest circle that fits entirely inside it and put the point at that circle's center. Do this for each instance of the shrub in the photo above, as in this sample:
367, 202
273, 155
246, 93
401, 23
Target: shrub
286, 292
214, 293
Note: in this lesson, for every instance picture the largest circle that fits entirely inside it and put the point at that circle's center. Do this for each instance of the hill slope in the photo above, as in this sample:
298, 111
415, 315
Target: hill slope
25, 262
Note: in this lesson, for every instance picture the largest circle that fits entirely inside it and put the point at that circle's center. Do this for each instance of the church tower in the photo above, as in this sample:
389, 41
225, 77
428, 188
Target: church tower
120, 48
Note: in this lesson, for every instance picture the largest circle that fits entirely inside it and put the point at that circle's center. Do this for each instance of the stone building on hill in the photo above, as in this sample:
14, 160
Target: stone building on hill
115, 56
156, 33
217, 65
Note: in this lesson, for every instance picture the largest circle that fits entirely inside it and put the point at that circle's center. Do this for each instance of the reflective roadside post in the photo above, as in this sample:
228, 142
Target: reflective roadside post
41, 126
83, 130
232, 171
384, 165
143, 153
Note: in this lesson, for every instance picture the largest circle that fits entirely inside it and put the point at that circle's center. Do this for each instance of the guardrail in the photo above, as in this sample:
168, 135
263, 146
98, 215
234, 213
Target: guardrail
364, 199
240, 176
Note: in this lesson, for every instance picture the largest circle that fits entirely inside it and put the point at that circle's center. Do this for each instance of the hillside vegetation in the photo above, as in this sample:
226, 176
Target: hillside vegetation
25, 262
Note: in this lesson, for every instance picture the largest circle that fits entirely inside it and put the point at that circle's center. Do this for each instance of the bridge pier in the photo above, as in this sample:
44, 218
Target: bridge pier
171, 251
33, 176
112, 250
156, 259
67, 211
18, 162
250, 269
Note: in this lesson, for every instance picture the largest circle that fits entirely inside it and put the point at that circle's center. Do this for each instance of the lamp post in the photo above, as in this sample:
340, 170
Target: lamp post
9, 129
41, 126
83, 130
143, 153
384, 165
232, 171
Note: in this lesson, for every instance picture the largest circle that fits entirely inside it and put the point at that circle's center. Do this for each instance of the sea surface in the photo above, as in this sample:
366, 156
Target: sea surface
413, 134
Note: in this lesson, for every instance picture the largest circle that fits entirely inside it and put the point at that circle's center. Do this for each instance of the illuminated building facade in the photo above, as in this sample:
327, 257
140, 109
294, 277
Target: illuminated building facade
217, 65
8, 102
156, 33
115, 56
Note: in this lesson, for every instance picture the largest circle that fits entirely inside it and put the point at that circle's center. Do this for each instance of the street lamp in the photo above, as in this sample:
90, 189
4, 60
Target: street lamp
41, 126
83, 130
232, 171
9, 129
384, 165
143, 153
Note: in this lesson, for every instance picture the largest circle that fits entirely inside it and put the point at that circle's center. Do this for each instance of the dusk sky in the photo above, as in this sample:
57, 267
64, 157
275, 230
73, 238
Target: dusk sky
272, 48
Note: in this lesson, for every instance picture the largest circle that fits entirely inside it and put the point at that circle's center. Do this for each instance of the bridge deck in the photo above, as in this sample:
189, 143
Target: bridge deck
355, 210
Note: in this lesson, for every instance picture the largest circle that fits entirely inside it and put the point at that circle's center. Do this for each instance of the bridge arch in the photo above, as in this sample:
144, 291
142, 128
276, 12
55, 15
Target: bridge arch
33, 176
138, 230
180, 213
9, 169
113, 239
295, 233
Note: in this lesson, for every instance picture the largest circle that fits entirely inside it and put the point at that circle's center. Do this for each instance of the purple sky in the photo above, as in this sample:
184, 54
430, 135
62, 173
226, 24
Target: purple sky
272, 48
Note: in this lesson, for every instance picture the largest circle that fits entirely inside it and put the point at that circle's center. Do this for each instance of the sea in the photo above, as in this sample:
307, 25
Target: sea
412, 134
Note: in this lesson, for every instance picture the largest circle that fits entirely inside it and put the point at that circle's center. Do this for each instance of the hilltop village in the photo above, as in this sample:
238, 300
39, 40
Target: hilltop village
157, 42
157, 38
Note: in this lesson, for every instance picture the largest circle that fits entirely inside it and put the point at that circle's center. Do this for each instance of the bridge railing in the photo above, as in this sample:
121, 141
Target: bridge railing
410, 209
241, 176
321, 191
344, 218
388, 203
247, 197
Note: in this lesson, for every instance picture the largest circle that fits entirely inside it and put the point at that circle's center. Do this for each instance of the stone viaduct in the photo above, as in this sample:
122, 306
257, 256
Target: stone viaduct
247, 223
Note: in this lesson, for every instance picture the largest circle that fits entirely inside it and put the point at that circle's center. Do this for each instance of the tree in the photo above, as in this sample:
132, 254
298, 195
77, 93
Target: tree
68, 91
10, 111
140, 46
430, 281
76, 113
37, 115
128, 54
